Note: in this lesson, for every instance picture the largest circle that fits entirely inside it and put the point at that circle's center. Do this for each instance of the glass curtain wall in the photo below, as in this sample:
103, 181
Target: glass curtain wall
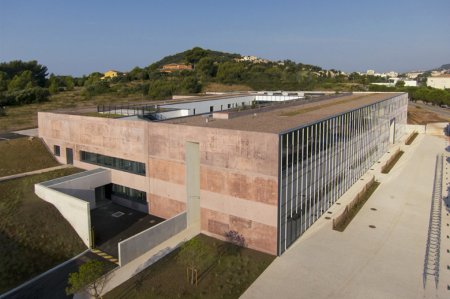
320, 161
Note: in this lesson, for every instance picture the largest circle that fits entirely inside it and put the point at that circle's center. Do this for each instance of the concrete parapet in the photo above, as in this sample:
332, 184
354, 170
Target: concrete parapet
144, 241
74, 210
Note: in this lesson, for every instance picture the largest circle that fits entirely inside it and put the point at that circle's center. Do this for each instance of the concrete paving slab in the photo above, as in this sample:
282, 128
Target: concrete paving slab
362, 262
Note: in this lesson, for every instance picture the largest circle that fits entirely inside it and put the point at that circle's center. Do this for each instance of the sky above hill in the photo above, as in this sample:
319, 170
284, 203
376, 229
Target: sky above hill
79, 37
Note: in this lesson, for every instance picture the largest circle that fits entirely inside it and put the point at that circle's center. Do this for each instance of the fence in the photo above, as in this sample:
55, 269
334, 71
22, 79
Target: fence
358, 198
142, 242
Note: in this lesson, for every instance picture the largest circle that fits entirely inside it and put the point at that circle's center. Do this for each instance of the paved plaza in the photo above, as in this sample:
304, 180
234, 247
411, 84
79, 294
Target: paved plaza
386, 261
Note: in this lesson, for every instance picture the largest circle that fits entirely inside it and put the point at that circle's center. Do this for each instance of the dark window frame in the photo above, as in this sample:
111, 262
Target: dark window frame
129, 166
57, 150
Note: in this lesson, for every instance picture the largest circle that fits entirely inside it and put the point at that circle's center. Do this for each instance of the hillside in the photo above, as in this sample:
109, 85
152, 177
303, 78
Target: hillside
195, 54
445, 67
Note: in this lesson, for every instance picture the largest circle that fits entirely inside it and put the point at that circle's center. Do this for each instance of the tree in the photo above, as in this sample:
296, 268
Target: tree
3, 81
89, 278
53, 88
400, 83
16, 67
21, 81
68, 80
206, 67
194, 255
237, 241
230, 72
193, 56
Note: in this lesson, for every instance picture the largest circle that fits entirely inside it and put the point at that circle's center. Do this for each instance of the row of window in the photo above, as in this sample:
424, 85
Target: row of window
321, 161
112, 162
129, 193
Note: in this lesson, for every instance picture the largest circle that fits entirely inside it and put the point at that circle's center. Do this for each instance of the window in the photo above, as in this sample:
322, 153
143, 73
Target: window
112, 162
129, 193
57, 150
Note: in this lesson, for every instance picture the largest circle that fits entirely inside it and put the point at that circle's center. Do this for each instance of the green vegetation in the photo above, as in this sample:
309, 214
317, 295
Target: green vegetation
422, 93
23, 155
349, 214
391, 162
89, 278
22, 83
104, 115
305, 110
228, 274
196, 257
27, 83
34, 237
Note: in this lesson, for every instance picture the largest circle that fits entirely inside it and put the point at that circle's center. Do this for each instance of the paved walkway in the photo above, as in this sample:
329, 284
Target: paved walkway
362, 262
52, 284
24, 174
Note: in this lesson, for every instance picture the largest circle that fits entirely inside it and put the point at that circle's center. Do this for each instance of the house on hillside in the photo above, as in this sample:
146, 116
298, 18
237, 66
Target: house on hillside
173, 67
111, 74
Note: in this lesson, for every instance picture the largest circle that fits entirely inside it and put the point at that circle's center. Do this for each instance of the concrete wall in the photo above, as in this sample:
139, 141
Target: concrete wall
219, 104
238, 169
142, 242
280, 98
172, 114
113, 137
74, 210
238, 180
82, 187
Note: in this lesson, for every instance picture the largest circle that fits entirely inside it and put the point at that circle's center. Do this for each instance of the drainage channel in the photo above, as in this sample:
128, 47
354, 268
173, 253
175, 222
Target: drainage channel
432, 253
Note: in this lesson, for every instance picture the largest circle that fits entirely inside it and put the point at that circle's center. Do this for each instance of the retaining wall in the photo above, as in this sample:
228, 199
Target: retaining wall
142, 242
74, 210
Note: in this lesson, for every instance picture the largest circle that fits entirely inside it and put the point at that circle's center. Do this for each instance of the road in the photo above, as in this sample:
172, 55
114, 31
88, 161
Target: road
444, 112
53, 285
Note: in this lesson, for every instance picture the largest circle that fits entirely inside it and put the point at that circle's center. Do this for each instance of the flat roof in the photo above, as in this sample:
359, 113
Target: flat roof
284, 118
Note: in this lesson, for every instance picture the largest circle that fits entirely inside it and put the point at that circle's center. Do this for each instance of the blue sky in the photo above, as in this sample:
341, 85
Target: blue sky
79, 37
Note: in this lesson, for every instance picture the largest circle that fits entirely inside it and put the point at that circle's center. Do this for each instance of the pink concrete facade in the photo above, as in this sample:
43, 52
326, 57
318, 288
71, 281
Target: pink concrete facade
238, 169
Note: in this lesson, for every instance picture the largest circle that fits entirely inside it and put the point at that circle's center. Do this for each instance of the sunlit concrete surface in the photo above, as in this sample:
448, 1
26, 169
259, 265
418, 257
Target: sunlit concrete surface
363, 262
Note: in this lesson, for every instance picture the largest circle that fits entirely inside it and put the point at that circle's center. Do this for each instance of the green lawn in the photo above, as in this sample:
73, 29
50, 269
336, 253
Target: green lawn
25, 116
22, 155
228, 275
34, 237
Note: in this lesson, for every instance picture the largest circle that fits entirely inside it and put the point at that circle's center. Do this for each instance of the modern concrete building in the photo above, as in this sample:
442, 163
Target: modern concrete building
266, 172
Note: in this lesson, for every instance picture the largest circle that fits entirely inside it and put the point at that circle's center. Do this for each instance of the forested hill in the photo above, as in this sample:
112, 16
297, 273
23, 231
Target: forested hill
29, 82
194, 55
445, 67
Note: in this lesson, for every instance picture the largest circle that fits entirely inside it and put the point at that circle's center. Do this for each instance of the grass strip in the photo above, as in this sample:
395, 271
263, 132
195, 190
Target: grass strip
23, 155
351, 213
226, 273
305, 110
391, 163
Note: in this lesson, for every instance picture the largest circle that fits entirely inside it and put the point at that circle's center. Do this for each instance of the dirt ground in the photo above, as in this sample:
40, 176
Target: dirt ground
422, 116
